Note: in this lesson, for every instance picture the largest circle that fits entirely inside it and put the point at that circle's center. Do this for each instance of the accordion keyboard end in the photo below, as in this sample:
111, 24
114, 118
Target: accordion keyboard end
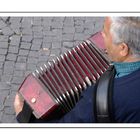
39, 99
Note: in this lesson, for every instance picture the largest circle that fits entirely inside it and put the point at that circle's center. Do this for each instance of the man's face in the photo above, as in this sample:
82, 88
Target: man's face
112, 49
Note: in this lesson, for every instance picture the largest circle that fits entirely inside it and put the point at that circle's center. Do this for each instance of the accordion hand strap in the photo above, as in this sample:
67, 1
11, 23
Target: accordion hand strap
103, 97
25, 115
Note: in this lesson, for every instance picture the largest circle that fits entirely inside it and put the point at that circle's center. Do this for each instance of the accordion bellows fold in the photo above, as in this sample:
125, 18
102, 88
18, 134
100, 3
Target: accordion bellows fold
58, 85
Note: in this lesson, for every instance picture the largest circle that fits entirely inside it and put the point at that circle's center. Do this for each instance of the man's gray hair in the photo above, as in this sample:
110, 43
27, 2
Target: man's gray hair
127, 30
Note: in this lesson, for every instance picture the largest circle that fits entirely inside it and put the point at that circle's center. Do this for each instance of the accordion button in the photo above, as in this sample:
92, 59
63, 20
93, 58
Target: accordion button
33, 100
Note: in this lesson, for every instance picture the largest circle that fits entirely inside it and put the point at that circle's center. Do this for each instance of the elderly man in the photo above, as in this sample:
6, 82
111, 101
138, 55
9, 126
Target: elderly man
122, 41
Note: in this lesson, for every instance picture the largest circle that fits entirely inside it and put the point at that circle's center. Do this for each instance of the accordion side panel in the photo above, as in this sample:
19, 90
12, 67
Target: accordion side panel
98, 40
37, 97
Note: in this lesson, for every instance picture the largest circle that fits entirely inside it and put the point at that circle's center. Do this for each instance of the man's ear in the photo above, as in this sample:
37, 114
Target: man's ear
124, 50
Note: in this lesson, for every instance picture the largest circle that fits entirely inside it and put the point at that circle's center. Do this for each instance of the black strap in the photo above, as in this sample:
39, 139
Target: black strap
103, 97
25, 115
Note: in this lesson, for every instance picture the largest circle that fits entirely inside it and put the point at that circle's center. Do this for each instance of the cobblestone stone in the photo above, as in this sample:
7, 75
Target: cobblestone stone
32, 60
2, 58
25, 45
31, 67
20, 66
15, 40
11, 57
69, 30
8, 70
7, 31
2, 24
15, 20
26, 31
4, 45
80, 36
14, 88
23, 52
9, 100
35, 47
57, 38
9, 110
46, 45
88, 31
21, 59
68, 21
37, 21
43, 58
67, 37
44, 52
1, 65
46, 27
47, 39
33, 54
79, 22
7, 118
6, 78
68, 44
3, 96
3, 51
4, 39
1, 72
37, 35
37, 41
27, 22
57, 24
37, 28
27, 38
17, 80
18, 73
9, 64
55, 52
46, 21
4, 86
56, 45
1, 114
13, 49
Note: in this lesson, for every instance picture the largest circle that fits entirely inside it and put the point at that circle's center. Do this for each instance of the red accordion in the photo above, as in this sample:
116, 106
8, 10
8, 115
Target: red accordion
59, 85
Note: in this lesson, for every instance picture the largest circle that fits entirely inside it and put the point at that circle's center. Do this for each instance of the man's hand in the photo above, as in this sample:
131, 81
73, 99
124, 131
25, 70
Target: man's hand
18, 103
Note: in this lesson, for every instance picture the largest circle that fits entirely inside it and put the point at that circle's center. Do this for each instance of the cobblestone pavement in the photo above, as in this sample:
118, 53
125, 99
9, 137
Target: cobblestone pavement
27, 42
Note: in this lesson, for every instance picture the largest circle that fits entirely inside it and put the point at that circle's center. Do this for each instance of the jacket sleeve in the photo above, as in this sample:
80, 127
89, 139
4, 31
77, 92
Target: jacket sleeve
25, 115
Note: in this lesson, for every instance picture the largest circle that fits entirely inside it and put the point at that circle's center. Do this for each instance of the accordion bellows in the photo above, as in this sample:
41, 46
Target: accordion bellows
58, 85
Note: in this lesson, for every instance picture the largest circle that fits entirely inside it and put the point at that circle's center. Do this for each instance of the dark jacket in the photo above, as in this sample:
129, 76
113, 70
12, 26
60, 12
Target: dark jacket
126, 103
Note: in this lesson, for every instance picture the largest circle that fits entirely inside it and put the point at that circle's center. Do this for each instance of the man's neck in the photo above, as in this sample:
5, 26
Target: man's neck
132, 59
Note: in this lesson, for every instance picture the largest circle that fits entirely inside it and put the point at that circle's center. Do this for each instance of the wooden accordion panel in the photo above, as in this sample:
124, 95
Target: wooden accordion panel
60, 84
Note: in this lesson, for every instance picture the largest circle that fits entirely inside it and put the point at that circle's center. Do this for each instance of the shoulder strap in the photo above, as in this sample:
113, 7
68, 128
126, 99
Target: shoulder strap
103, 97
